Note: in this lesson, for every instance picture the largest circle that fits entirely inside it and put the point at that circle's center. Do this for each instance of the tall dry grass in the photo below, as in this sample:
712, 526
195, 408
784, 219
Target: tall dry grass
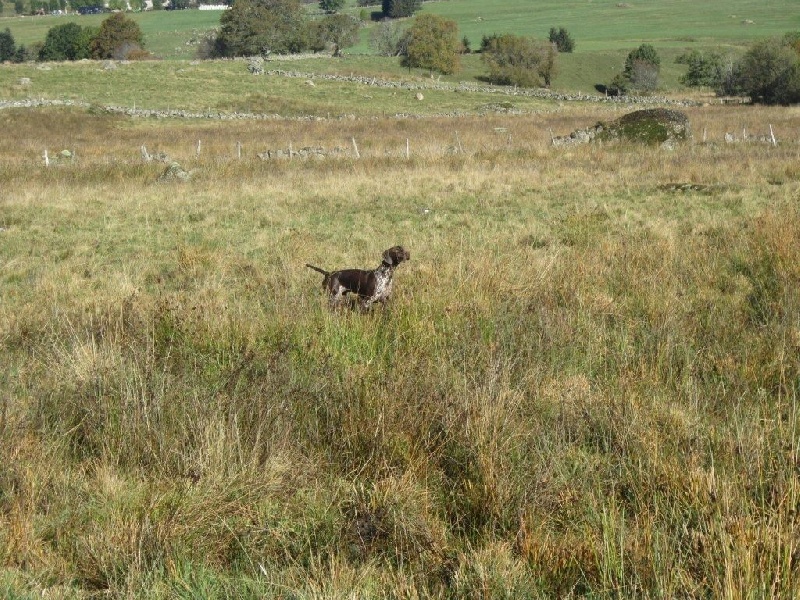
586, 383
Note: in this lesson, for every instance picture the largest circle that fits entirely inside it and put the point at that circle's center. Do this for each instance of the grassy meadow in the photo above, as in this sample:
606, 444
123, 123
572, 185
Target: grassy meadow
586, 384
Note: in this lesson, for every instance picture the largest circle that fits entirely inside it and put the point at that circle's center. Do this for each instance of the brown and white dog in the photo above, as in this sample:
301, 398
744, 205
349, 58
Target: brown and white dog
370, 286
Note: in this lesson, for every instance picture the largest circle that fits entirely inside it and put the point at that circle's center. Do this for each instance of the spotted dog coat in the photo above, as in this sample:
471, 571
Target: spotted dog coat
370, 286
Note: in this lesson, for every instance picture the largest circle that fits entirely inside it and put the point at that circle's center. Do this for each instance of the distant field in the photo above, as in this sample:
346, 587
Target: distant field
609, 24
595, 25
604, 30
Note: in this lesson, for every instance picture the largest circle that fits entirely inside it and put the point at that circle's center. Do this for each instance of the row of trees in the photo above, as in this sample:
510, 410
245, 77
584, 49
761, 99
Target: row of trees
262, 27
117, 37
769, 72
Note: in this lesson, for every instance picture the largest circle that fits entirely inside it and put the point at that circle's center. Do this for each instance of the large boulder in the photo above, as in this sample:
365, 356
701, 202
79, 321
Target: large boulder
649, 126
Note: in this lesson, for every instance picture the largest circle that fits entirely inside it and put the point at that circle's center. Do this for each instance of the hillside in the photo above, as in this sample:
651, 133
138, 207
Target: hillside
604, 30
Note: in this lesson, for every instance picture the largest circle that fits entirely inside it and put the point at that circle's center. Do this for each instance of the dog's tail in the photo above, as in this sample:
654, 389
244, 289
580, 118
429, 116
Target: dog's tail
323, 271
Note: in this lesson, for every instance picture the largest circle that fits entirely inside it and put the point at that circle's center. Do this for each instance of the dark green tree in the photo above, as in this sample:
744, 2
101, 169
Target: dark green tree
116, 33
642, 67
519, 60
261, 27
22, 54
704, 70
65, 42
19, 7
792, 40
8, 47
331, 6
432, 43
562, 39
644, 53
397, 9
769, 72
340, 31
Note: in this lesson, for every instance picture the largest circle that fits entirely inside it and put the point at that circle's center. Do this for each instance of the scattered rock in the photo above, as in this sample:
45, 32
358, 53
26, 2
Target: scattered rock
175, 172
310, 83
419, 96
687, 187
109, 65
24, 80
255, 65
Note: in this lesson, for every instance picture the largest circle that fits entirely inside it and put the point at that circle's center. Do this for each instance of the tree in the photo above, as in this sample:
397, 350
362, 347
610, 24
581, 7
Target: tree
519, 60
261, 27
792, 40
65, 42
396, 9
562, 39
341, 31
642, 67
19, 7
331, 6
644, 53
704, 70
8, 47
432, 43
116, 33
385, 39
769, 72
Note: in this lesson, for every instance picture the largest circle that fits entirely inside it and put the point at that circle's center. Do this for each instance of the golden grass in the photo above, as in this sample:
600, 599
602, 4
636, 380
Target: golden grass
586, 383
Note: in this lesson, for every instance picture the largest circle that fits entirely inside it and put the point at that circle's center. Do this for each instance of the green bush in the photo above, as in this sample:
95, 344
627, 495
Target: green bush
705, 70
340, 31
116, 32
769, 73
432, 43
562, 39
256, 27
7, 46
396, 9
69, 41
331, 6
518, 60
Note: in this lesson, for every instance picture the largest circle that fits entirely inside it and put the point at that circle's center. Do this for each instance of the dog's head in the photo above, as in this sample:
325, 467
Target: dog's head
395, 255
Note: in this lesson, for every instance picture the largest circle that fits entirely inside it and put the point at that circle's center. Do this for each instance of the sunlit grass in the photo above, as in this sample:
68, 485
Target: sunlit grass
586, 381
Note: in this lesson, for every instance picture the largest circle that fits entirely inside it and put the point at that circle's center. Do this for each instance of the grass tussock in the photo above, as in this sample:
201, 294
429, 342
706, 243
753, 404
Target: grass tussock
586, 382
